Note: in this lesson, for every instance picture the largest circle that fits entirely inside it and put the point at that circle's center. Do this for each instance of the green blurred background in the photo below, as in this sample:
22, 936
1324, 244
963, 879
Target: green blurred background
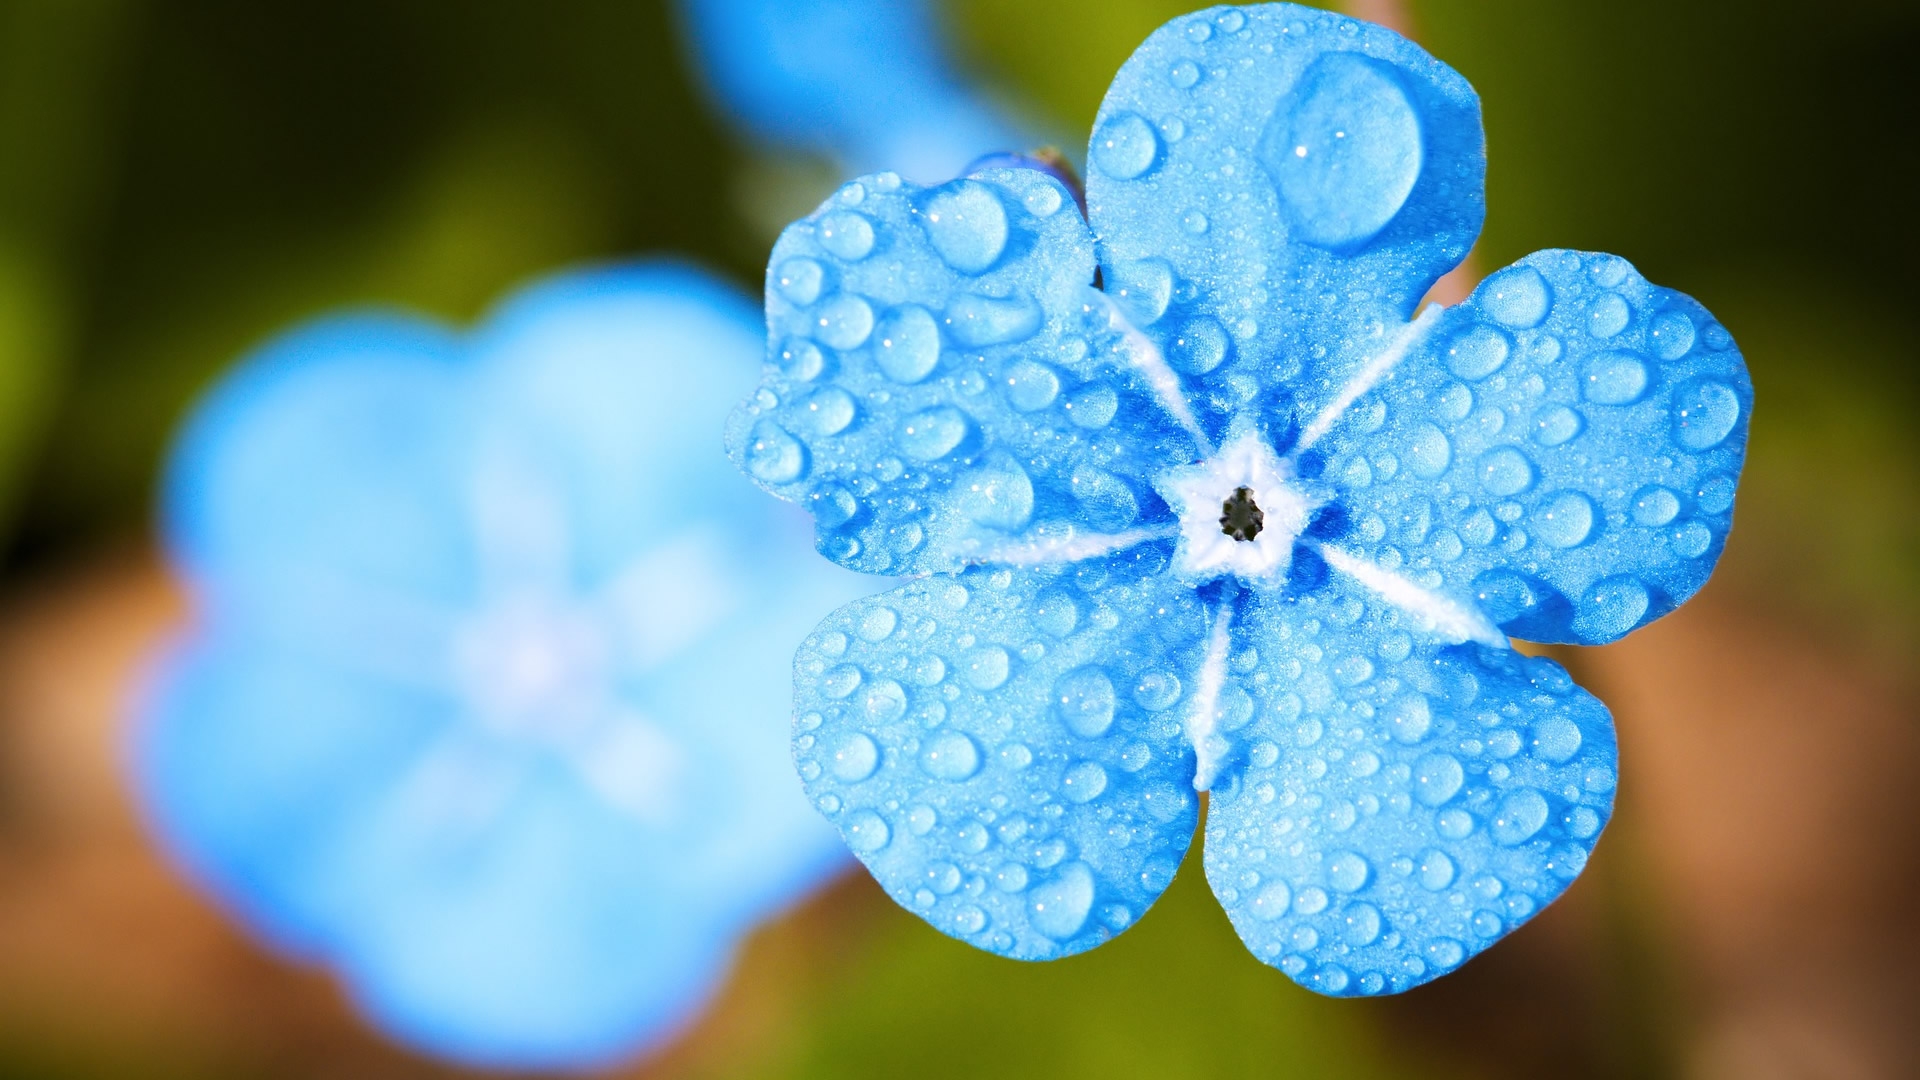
179, 179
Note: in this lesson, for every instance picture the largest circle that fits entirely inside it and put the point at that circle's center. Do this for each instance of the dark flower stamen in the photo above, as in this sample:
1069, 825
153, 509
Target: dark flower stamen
1240, 516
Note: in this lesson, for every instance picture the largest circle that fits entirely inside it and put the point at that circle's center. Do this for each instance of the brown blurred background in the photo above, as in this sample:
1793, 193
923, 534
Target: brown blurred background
178, 179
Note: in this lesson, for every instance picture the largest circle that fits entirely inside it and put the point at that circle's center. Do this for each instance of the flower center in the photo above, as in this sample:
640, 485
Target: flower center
1240, 516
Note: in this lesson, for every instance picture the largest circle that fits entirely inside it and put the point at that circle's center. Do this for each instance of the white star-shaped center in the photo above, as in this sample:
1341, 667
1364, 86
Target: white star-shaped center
1199, 495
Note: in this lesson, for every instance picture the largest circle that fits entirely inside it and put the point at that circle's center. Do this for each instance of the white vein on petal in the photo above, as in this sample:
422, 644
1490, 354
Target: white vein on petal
1145, 356
1369, 376
1204, 719
1073, 547
1442, 614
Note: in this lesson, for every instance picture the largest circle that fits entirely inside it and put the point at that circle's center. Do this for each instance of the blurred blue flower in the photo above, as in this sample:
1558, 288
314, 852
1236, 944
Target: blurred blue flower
863, 81
481, 703
1230, 519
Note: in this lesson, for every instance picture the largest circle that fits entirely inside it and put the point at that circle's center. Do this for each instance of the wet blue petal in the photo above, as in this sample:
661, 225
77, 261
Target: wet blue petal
863, 80
478, 710
1562, 447
1278, 186
1004, 749
942, 385
1400, 805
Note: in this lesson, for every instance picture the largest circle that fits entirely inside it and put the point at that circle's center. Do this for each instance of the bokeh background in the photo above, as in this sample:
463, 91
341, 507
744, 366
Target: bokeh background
178, 179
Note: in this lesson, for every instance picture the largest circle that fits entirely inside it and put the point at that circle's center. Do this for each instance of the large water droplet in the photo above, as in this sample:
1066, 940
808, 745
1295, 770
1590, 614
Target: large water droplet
981, 321
846, 235
1555, 425
866, 832
1608, 316
986, 667
1521, 814
1704, 412
840, 681
1478, 352
967, 225
1348, 871
1564, 519
773, 456
1059, 908
1084, 782
1437, 778
1517, 297
1445, 953
884, 702
843, 322
828, 411
800, 280
1157, 689
1672, 334
1184, 74
1084, 701
855, 758
909, 344
1344, 150
1199, 347
1124, 145
1362, 924
1435, 869
1143, 289
1654, 506
1612, 607
1615, 378
932, 434
1031, 385
1505, 471
998, 494
1409, 719
950, 755
1428, 452
1556, 739
1055, 613
1271, 901
801, 359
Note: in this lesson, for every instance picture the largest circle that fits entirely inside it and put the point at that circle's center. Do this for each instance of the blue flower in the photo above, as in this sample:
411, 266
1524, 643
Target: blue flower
1231, 518
480, 706
865, 81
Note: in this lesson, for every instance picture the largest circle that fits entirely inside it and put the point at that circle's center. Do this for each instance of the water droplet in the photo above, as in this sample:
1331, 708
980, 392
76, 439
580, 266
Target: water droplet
933, 433
998, 494
1428, 452
1563, 519
1311, 900
1672, 334
1124, 145
1444, 953
1195, 222
1198, 31
1184, 75
1608, 316
942, 877
844, 322
1409, 719
1059, 908
1704, 413
1612, 607
1691, 540
1555, 425
1505, 471
983, 321
1615, 378
878, 624
909, 344
967, 225
1437, 778
1143, 288
1347, 871
969, 920
801, 360
1521, 814
828, 411
773, 456
885, 701
1654, 506
866, 832
950, 755
1362, 924
1271, 902
1093, 406
1344, 150
921, 819
1156, 690
1715, 494
986, 667
1200, 346
1084, 782
800, 280
1517, 297
1478, 352
855, 758
846, 235
1011, 878
1556, 739
1486, 924
972, 837
1084, 700
1435, 869
1031, 386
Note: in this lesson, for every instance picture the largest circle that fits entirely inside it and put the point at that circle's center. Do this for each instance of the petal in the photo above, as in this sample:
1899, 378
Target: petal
1003, 749
1403, 804
1273, 187
1563, 447
943, 384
